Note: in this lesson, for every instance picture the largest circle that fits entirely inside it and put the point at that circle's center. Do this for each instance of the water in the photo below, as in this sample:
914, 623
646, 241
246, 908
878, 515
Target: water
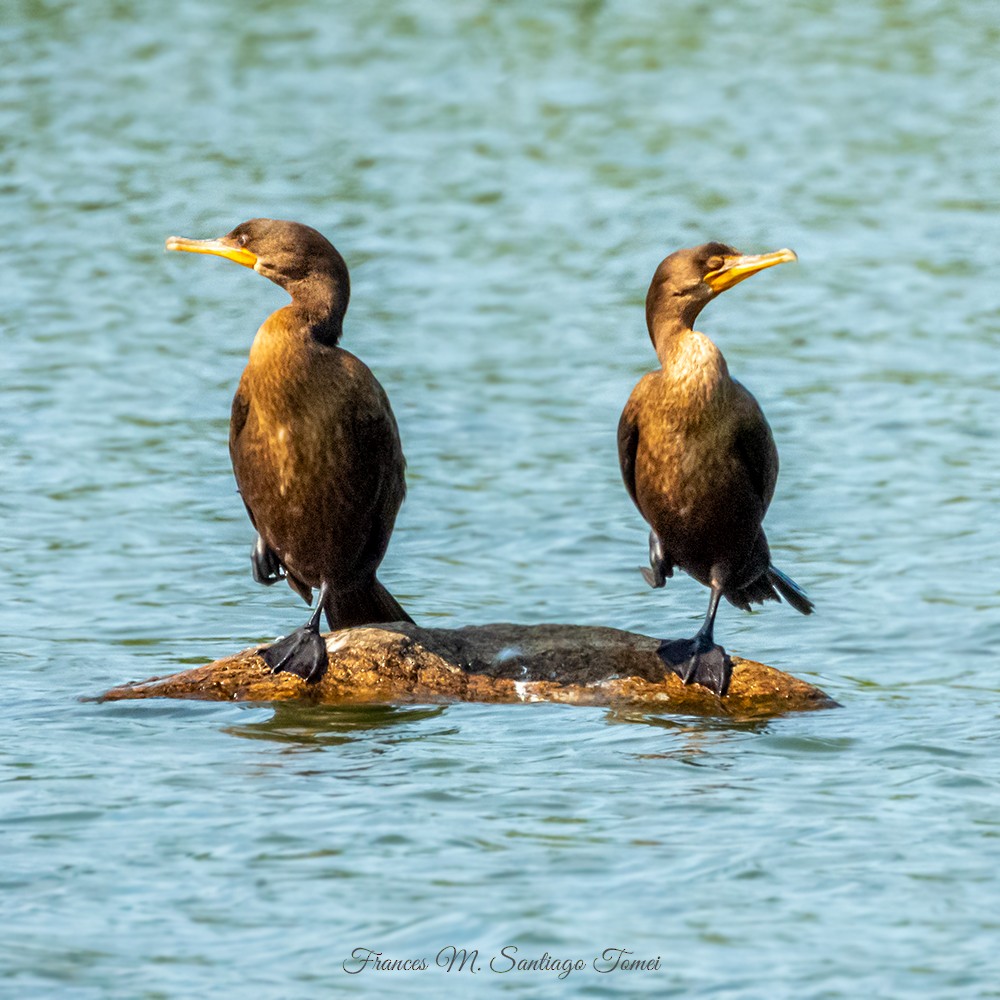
503, 180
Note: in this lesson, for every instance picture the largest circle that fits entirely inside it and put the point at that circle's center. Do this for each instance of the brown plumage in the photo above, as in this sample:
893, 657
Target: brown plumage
698, 458
313, 441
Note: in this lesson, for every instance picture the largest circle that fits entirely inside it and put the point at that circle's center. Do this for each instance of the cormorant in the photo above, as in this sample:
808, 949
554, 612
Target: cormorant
313, 441
698, 458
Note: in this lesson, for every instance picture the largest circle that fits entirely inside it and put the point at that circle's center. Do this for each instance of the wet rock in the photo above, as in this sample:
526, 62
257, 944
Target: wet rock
573, 664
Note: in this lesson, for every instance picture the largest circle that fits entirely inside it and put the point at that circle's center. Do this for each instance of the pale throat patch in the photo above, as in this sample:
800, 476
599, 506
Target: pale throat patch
696, 364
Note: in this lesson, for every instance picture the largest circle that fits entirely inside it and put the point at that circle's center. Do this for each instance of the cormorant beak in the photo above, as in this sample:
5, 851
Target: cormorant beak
735, 269
217, 248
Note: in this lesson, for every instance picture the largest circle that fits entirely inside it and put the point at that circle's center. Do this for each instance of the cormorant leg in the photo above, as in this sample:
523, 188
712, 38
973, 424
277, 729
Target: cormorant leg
265, 564
699, 660
660, 566
302, 652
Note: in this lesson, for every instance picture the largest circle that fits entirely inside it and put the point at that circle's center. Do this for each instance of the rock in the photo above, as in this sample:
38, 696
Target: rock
574, 664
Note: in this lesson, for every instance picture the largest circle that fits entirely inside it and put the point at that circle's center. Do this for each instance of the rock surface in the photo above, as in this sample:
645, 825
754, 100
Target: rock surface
574, 664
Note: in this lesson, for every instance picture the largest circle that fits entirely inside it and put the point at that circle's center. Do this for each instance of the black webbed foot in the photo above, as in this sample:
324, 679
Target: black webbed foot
698, 661
660, 565
303, 653
265, 564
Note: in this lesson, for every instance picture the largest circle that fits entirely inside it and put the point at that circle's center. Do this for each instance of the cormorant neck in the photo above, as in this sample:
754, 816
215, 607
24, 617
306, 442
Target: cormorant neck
320, 302
668, 319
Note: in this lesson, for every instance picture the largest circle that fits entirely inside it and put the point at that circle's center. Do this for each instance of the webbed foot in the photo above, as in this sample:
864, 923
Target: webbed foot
698, 661
302, 652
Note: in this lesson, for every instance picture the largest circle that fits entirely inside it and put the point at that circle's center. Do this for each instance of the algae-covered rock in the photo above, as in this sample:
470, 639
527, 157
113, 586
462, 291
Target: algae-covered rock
574, 664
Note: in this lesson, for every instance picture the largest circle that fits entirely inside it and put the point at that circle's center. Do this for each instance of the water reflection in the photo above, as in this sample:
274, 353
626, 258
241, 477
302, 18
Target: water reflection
320, 726
690, 723
693, 736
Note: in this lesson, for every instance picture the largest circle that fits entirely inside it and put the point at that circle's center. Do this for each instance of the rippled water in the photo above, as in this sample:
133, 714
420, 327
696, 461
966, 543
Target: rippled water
502, 179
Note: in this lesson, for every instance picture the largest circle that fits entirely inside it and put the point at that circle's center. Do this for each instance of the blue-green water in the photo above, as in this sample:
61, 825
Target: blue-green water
502, 179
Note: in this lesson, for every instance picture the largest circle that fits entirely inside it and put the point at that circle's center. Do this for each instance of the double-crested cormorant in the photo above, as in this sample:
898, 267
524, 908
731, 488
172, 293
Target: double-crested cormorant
313, 441
698, 458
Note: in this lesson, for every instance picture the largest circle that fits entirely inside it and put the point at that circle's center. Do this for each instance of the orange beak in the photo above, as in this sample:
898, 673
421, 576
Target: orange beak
217, 248
735, 269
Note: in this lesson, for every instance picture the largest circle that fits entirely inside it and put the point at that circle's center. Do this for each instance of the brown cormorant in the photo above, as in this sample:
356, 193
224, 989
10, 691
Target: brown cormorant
313, 442
698, 458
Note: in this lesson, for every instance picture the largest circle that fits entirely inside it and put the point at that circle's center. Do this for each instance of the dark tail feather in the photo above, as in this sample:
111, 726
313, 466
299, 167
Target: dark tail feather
370, 605
767, 587
755, 592
790, 591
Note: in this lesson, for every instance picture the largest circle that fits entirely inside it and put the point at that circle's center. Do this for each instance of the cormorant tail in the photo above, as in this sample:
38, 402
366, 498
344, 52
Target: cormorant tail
790, 591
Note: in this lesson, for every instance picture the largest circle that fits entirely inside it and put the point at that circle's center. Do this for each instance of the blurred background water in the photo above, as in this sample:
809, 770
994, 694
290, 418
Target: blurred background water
502, 180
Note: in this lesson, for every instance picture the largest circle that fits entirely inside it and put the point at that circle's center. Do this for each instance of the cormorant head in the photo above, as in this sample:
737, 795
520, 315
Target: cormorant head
687, 280
292, 255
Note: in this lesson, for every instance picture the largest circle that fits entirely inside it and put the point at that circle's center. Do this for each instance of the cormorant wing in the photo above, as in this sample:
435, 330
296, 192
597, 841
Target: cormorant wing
237, 421
755, 446
628, 445
238, 417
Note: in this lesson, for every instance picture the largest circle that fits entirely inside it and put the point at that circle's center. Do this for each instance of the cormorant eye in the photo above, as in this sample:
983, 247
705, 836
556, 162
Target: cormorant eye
714, 263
